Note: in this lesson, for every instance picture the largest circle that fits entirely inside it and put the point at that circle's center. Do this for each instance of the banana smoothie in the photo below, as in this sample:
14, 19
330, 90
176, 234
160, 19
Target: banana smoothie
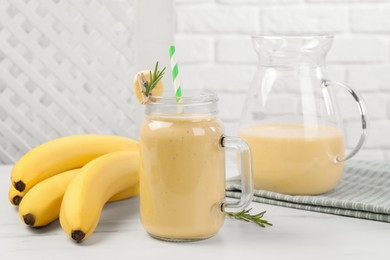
182, 181
295, 159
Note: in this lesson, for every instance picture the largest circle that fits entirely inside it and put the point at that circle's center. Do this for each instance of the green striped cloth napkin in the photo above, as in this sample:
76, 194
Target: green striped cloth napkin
363, 192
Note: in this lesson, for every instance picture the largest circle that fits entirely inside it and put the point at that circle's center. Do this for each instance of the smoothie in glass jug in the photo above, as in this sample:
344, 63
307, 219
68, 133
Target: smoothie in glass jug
295, 159
291, 119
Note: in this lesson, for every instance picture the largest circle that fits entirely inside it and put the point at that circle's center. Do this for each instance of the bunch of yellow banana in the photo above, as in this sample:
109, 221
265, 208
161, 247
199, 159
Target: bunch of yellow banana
73, 178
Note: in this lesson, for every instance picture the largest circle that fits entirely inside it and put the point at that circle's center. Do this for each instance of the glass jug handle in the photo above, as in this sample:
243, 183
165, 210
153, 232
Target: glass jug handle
245, 166
363, 115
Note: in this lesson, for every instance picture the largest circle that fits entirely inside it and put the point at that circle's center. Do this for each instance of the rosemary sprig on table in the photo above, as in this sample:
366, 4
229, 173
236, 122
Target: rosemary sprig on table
244, 215
155, 77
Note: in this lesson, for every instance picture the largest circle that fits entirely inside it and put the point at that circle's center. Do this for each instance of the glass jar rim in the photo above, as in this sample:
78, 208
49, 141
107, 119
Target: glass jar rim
192, 104
190, 98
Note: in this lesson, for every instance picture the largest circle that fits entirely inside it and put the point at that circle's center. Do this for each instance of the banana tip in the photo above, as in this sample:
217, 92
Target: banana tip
16, 200
29, 219
20, 186
78, 235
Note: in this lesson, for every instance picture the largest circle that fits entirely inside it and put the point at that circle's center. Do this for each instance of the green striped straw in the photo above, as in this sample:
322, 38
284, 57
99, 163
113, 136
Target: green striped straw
175, 73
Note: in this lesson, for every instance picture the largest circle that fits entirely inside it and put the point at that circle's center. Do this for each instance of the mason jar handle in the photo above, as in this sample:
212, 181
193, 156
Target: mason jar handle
245, 169
363, 116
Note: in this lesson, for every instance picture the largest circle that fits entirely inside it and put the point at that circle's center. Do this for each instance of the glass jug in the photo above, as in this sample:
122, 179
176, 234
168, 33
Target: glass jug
291, 118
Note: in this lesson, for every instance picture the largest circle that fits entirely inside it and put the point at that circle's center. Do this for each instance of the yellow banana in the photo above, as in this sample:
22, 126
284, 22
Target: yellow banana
125, 194
15, 196
64, 154
96, 183
41, 205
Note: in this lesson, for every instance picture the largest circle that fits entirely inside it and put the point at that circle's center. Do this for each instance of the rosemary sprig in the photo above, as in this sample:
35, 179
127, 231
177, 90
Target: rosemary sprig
244, 215
155, 77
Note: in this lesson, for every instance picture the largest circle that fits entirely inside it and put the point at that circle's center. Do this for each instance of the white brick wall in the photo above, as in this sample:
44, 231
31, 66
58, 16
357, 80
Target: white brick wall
215, 53
304, 19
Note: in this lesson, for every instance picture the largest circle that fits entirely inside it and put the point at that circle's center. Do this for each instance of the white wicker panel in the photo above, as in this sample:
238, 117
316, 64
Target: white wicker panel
65, 68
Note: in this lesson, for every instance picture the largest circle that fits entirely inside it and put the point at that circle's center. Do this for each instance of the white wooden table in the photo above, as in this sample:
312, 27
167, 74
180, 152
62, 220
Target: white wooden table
296, 234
